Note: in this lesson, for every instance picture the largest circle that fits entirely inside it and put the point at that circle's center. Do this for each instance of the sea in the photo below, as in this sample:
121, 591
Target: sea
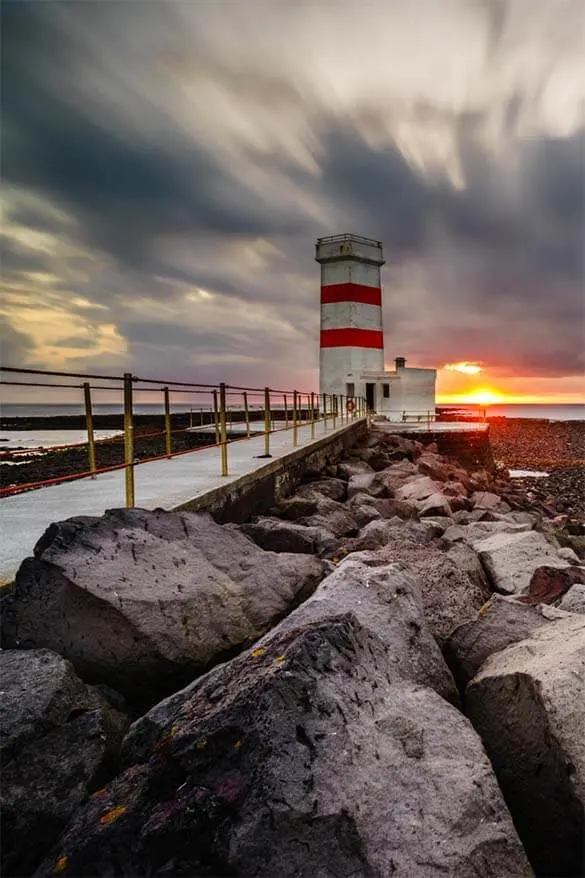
572, 412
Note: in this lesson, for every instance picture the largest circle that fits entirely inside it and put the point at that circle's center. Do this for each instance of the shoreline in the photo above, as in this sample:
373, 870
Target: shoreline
556, 447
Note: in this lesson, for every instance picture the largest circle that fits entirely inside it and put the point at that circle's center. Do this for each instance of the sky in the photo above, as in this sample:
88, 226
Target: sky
167, 166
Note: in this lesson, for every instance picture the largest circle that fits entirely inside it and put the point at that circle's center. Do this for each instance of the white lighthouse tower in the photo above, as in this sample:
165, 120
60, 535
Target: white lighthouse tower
352, 337
352, 340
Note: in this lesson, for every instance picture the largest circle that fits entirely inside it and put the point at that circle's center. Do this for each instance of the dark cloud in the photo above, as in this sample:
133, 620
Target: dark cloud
490, 270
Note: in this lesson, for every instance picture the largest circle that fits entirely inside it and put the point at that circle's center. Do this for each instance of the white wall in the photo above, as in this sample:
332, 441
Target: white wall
349, 272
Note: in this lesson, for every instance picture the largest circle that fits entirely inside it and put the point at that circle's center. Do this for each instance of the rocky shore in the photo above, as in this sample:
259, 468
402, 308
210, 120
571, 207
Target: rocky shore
383, 676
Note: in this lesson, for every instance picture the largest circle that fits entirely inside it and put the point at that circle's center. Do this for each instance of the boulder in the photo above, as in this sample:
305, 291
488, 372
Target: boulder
568, 554
363, 509
528, 704
294, 508
452, 584
498, 624
475, 531
144, 601
335, 489
396, 475
367, 483
435, 505
510, 559
333, 517
418, 488
59, 741
283, 763
486, 500
386, 600
574, 600
276, 535
356, 467
434, 466
548, 584
454, 489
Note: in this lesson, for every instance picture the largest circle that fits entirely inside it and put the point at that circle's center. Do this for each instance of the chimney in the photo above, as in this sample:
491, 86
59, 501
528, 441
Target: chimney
400, 363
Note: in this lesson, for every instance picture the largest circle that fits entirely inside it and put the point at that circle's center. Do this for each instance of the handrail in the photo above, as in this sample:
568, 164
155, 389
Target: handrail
307, 410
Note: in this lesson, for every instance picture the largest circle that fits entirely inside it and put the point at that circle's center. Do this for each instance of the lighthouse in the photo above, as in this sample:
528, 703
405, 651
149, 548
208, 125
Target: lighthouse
352, 337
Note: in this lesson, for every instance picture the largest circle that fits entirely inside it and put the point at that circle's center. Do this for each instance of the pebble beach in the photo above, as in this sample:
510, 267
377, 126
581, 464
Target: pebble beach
553, 447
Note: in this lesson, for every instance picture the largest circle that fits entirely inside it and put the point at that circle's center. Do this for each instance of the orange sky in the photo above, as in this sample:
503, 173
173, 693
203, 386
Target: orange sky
469, 383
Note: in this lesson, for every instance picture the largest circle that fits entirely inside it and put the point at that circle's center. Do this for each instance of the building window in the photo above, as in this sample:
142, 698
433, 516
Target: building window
386, 391
350, 389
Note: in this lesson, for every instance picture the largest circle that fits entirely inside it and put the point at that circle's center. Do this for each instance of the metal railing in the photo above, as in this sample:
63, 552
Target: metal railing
230, 414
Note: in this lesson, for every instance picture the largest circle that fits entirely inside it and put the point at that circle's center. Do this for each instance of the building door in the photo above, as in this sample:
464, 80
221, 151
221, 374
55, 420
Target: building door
371, 396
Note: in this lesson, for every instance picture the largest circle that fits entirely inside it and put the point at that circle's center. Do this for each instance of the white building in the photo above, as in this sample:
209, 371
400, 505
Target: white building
352, 338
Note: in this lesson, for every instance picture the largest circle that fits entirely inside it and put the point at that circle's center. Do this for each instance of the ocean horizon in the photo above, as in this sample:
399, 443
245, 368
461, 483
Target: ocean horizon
537, 411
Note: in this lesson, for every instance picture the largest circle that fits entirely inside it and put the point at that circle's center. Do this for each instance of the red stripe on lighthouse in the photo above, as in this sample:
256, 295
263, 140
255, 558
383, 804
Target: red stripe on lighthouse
333, 293
352, 338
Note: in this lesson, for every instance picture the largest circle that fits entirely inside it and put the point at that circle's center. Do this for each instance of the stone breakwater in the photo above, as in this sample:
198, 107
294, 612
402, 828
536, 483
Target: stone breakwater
383, 676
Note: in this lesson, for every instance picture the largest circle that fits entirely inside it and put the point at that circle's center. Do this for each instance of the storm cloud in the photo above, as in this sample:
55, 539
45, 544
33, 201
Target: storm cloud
169, 165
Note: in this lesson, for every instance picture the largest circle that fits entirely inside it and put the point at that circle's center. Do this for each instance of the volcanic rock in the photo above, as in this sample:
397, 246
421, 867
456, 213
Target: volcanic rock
144, 601
283, 762
528, 704
59, 741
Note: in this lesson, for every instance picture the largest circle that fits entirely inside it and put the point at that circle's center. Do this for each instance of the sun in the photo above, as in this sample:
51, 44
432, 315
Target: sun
483, 396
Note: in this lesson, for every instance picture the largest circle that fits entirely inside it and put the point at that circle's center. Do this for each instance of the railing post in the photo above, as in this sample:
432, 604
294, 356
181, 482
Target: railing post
168, 445
89, 427
216, 417
324, 412
285, 412
295, 415
267, 422
312, 416
247, 414
222, 431
128, 441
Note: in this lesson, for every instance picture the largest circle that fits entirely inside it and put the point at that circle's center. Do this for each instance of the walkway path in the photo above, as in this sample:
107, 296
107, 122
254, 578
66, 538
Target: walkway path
162, 483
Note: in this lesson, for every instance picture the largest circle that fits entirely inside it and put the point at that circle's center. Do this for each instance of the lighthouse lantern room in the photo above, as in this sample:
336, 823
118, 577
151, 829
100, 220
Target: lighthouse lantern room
352, 337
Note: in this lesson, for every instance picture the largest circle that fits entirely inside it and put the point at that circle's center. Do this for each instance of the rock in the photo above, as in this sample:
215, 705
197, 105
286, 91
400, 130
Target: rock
548, 584
436, 504
386, 600
432, 465
480, 530
283, 762
144, 601
396, 475
276, 535
373, 535
59, 741
348, 468
498, 624
574, 600
366, 484
510, 559
568, 554
454, 489
375, 457
333, 517
452, 584
486, 500
418, 488
294, 508
528, 704
362, 509
402, 508
436, 527
335, 489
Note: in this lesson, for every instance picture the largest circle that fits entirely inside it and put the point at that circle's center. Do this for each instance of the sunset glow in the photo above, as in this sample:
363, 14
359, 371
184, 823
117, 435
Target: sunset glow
464, 368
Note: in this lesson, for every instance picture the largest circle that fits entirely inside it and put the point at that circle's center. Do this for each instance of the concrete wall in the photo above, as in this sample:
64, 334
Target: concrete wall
257, 492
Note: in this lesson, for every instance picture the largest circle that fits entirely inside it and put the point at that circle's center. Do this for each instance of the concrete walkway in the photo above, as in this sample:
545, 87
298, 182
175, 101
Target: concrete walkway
163, 483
